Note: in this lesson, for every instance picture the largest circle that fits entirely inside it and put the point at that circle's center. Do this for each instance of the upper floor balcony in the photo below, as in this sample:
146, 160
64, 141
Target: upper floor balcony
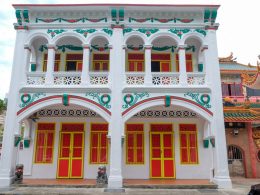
69, 63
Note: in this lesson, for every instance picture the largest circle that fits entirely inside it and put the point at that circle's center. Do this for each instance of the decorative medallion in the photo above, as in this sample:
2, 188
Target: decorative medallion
27, 98
132, 99
53, 33
203, 99
102, 99
85, 32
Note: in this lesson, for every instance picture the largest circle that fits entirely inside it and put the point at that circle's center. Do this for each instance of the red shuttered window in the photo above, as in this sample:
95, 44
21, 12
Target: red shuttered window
135, 62
100, 62
189, 66
232, 89
56, 62
44, 143
188, 144
134, 144
99, 144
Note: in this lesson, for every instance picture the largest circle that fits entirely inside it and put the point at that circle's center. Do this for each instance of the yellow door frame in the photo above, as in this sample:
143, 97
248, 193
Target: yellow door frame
162, 153
71, 152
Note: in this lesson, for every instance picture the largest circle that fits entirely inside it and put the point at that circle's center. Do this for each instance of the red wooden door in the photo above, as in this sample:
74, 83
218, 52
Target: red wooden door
162, 153
70, 162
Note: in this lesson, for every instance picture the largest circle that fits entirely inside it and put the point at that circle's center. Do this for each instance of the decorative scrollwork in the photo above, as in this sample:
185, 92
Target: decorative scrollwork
201, 99
132, 99
102, 99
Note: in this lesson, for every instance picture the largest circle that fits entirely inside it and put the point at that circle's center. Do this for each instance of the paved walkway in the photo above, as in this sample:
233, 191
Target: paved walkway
241, 186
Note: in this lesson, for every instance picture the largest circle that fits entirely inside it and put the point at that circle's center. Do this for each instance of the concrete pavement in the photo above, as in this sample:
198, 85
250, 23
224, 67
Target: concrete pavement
241, 186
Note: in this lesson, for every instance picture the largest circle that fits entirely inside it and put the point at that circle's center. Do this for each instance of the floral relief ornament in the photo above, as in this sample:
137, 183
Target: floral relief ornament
53, 33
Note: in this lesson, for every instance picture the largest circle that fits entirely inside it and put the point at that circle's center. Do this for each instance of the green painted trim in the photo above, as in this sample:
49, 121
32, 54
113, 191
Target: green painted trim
132, 99
113, 14
55, 32
167, 101
103, 99
26, 15
212, 141
85, 32
26, 142
201, 99
200, 67
33, 67
205, 143
18, 16
17, 140
27, 99
121, 14
65, 99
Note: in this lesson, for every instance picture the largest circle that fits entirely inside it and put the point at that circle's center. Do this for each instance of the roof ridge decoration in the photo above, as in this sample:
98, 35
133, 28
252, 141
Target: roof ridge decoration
228, 59
252, 81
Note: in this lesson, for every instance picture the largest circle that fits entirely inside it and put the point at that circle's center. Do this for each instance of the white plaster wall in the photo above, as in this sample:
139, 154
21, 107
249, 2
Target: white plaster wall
198, 171
49, 171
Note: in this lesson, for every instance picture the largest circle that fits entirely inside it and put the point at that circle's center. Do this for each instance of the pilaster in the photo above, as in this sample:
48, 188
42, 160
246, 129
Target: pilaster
12, 126
148, 66
221, 171
25, 65
85, 67
50, 64
115, 179
182, 65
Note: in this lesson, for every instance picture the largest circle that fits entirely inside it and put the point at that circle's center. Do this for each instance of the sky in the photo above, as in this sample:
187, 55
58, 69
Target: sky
239, 30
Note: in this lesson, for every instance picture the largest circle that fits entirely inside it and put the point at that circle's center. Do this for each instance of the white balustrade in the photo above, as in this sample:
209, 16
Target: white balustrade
35, 78
98, 78
135, 78
67, 78
165, 78
195, 78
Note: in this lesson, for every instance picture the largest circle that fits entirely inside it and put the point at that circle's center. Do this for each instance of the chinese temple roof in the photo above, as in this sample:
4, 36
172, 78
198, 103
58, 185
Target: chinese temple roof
243, 116
230, 65
253, 81
241, 112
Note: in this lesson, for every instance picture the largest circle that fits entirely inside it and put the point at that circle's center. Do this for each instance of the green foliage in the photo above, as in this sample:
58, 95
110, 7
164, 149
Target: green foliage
2, 106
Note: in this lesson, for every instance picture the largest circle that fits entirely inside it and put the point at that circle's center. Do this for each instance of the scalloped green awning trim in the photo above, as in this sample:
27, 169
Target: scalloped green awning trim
73, 48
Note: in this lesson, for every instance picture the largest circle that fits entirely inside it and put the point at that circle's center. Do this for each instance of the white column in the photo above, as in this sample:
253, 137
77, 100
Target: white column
206, 65
50, 65
124, 63
12, 127
26, 64
182, 65
115, 179
148, 67
85, 66
221, 176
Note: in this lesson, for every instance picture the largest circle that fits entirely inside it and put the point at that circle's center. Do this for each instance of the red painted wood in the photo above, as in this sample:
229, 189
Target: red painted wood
76, 168
156, 168
251, 149
168, 168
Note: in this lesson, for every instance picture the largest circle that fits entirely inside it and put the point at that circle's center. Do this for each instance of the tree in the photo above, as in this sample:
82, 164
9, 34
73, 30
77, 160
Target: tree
2, 106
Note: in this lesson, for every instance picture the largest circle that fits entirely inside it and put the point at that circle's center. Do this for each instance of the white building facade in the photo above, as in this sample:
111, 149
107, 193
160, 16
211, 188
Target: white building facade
133, 87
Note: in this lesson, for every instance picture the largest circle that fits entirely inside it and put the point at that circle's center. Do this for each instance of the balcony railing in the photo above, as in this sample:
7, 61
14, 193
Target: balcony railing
35, 78
163, 78
157, 79
98, 78
67, 78
135, 78
196, 78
